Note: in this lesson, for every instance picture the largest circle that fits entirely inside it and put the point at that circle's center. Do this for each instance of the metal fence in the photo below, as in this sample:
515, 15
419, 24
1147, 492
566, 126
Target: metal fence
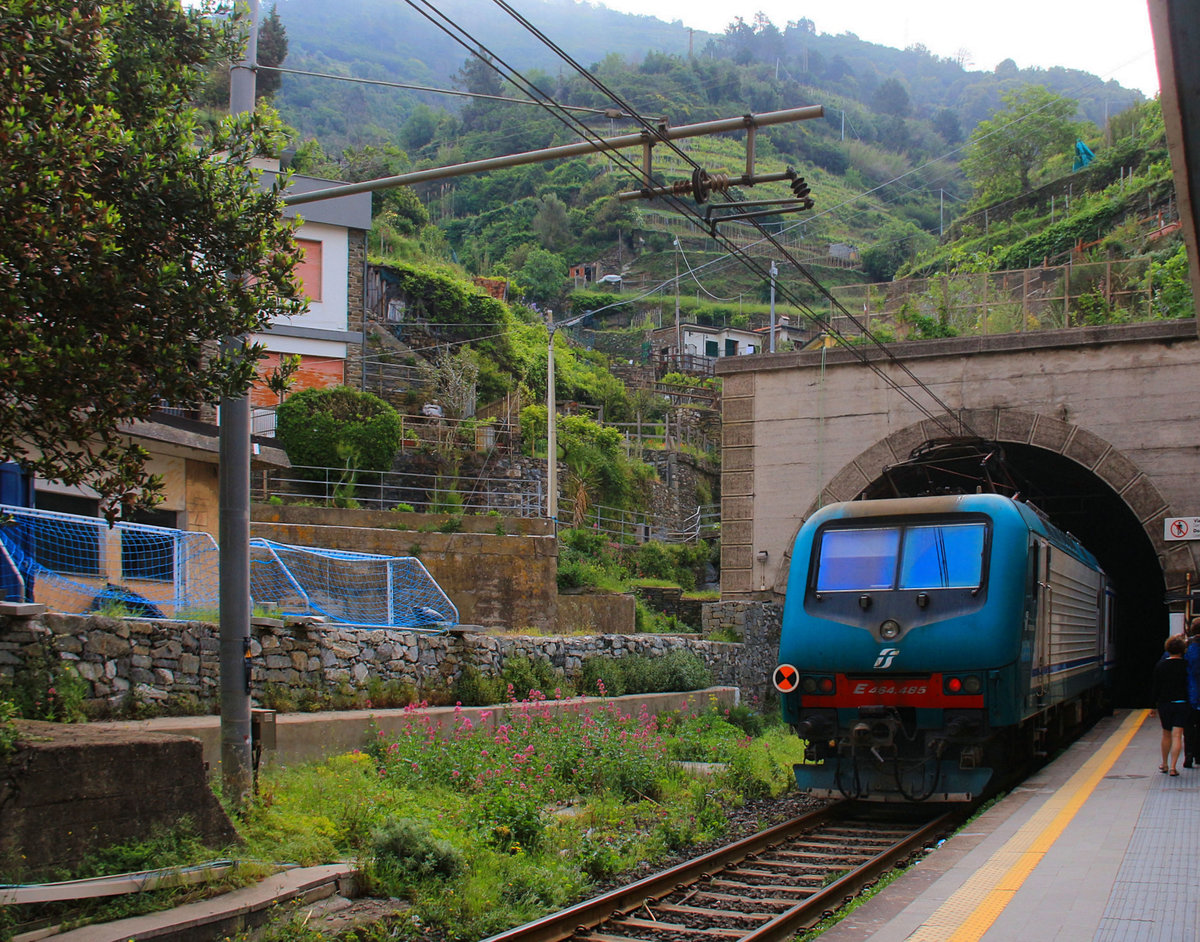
392, 490
627, 526
981, 303
440, 493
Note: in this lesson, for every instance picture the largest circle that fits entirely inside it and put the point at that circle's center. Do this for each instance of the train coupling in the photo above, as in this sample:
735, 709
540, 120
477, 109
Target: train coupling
970, 757
876, 728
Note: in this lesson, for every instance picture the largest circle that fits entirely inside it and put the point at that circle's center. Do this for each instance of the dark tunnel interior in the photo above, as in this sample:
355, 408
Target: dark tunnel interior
1077, 501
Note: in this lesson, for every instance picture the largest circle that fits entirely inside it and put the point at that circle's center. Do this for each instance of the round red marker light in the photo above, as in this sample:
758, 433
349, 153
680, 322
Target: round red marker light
954, 685
826, 684
785, 678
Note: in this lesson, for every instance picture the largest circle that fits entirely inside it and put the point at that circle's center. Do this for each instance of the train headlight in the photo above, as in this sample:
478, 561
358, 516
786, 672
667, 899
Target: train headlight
972, 684
809, 685
889, 630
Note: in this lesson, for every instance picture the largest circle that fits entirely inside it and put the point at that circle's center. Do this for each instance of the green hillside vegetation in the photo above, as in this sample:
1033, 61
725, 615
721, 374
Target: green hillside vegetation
911, 145
883, 164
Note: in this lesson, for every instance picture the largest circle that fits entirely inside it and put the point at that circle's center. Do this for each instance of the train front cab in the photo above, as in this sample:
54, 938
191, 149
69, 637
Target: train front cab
903, 637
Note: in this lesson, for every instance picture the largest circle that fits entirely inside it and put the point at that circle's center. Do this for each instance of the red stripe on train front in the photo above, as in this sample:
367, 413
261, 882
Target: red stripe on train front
921, 692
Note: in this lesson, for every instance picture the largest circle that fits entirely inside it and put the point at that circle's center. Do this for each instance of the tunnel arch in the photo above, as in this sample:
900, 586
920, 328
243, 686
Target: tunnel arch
1090, 489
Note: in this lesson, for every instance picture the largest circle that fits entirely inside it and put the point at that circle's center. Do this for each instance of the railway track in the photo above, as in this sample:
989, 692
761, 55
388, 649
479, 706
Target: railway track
764, 888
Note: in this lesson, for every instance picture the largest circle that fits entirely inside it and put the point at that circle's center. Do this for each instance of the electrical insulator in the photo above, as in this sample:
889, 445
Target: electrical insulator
799, 188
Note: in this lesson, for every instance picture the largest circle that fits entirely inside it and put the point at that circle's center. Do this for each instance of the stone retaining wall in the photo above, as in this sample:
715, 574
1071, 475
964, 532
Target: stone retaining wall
758, 624
163, 661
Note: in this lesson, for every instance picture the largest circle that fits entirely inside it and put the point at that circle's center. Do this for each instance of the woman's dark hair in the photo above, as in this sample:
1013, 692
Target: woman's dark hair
1176, 644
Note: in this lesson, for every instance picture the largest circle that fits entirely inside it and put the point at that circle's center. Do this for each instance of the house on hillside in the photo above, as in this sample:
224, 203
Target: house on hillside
333, 236
583, 273
183, 443
696, 348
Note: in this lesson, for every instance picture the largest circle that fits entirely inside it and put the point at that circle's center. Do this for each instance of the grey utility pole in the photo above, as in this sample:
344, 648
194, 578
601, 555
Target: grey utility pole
774, 273
551, 429
234, 523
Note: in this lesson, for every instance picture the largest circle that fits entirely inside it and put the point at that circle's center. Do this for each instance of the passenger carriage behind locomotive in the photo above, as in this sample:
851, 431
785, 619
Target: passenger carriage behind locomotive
930, 644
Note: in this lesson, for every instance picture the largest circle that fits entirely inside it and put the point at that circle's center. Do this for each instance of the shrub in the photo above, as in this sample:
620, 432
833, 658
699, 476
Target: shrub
680, 670
8, 728
512, 820
680, 563
525, 676
472, 688
406, 850
674, 671
338, 428
48, 689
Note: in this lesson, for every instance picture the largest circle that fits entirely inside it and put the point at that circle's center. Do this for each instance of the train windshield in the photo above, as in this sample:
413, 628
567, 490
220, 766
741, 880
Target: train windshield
928, 556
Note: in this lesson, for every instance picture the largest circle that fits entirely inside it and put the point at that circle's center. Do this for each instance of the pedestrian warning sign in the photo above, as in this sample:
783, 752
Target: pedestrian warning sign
1181, 528
786, 678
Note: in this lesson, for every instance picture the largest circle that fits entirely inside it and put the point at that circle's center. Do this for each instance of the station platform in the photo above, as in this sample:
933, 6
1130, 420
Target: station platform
1098, 846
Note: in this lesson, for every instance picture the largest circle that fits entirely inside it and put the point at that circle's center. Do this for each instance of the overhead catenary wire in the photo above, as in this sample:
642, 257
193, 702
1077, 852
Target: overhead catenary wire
383, 83
464, 38
758, 269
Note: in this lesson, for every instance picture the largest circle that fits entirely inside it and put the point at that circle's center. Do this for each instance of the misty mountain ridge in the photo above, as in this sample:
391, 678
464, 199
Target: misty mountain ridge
390, 40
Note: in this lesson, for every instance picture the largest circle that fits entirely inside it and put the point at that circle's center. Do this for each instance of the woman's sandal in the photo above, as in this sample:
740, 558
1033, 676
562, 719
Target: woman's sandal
1162, 768
1173, 772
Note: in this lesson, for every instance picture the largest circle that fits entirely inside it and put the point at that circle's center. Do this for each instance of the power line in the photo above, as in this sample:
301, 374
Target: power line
604, 112
758, 269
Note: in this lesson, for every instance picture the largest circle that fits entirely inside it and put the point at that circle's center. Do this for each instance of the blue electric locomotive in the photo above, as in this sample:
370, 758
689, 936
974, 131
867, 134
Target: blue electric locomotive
930, 643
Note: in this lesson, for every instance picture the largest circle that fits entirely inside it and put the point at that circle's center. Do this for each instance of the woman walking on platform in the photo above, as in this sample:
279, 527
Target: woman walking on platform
1170, 688
1191, 733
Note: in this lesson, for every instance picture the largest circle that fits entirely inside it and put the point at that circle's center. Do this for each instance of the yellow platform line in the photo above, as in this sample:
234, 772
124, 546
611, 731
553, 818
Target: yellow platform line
972, 908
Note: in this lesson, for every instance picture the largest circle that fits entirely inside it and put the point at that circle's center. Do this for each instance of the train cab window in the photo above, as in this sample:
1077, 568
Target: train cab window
942, 556
858, 559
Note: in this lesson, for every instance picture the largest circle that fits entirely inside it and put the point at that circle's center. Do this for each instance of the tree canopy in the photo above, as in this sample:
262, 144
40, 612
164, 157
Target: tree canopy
1015, 141
127, 248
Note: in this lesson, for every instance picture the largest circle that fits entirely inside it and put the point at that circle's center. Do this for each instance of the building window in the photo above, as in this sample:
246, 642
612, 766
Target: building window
712, 348
68, 546
309, 268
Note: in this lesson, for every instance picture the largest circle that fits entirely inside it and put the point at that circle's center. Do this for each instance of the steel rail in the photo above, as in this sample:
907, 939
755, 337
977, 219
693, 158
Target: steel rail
828, 900
585, 916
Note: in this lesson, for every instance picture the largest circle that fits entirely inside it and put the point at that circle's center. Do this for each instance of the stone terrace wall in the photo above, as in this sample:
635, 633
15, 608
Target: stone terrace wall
759, 625
159, 661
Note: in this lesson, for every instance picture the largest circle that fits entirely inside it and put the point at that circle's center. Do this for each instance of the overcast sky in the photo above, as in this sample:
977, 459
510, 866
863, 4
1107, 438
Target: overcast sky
1109, 38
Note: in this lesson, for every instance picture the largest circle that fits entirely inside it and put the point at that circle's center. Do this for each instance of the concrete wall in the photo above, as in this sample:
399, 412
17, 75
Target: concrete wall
70, 789
596, 614
311, 737
802, 429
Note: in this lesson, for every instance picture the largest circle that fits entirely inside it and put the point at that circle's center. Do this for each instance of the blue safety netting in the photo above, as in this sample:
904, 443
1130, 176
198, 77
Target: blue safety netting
79, 564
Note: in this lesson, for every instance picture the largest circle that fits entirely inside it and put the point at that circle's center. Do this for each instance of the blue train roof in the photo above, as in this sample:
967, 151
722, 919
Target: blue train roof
996, 506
